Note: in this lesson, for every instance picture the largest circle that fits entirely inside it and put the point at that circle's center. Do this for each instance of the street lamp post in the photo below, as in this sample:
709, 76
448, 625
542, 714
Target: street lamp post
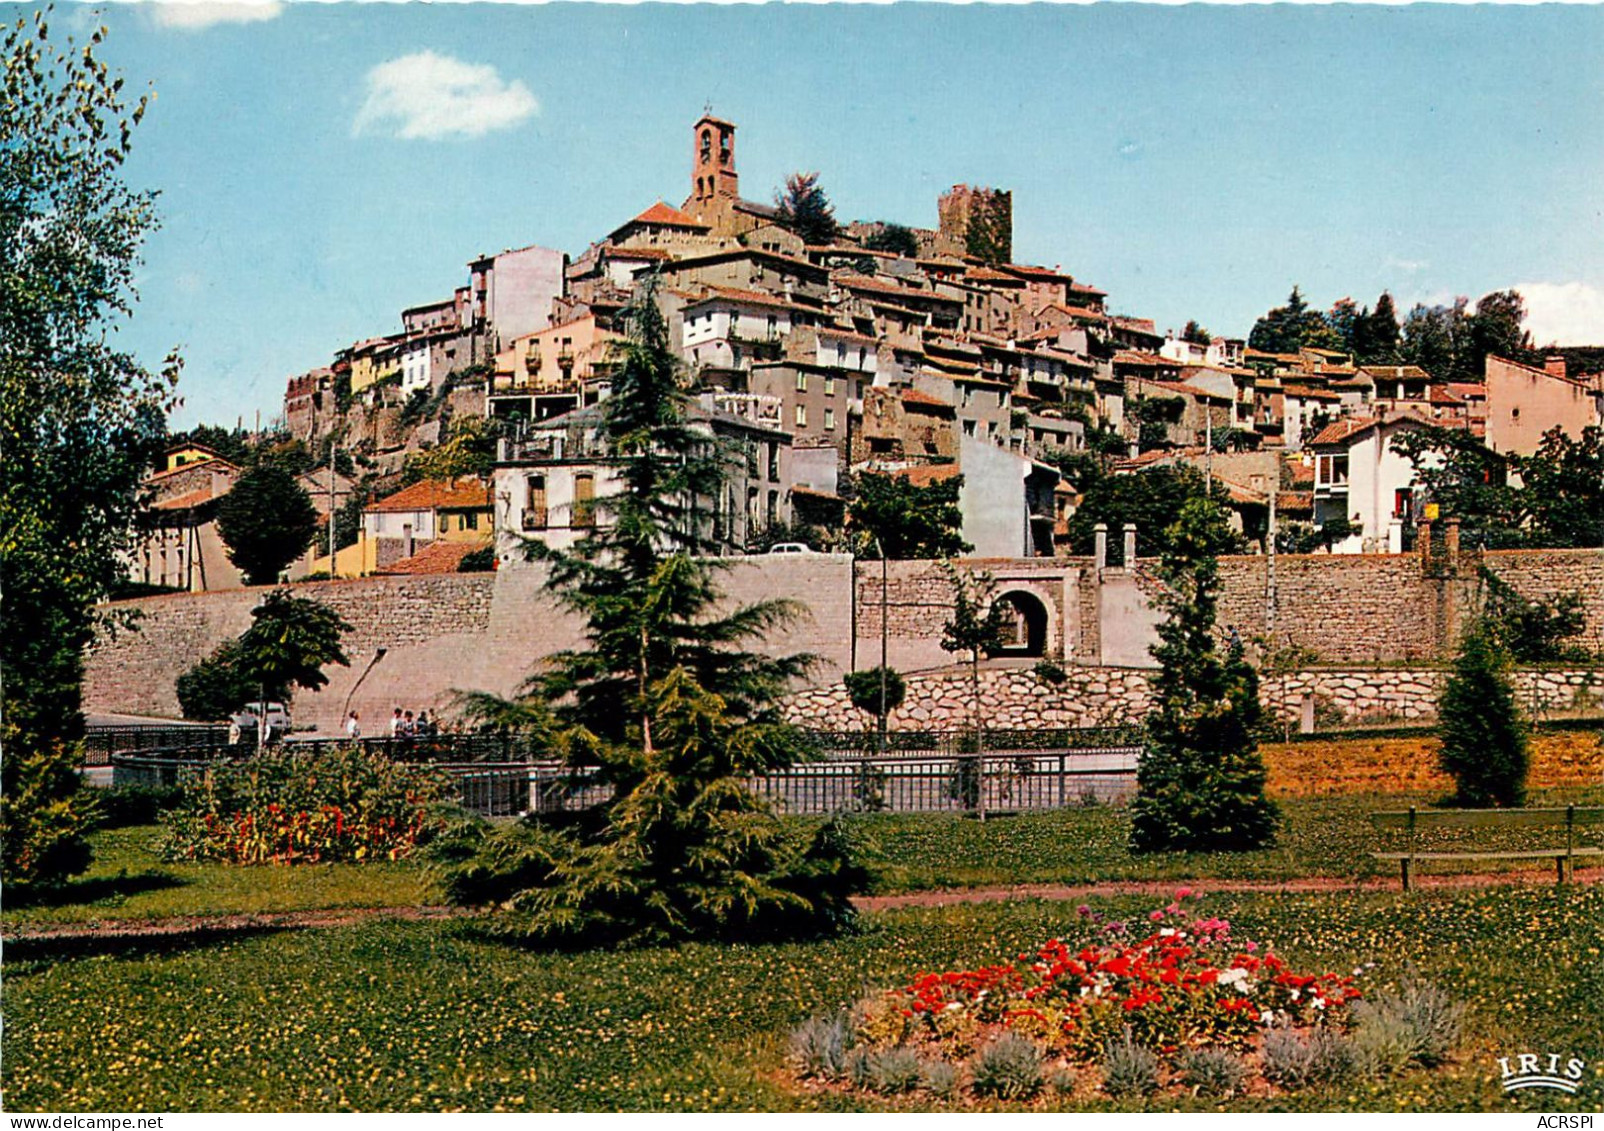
345, 711
883, 636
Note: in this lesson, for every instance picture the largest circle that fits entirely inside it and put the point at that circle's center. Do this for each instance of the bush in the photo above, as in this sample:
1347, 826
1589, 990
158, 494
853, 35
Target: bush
1416, 1024
123, 806
217, 686
1010, 1068
864, 690
1062, 1081
44, 814
1484, 733
939, 1078
345, 804
1293, 1061
482, 560
1050, 672
1128, 1068
893, 1071
1213, 1072
820, 1047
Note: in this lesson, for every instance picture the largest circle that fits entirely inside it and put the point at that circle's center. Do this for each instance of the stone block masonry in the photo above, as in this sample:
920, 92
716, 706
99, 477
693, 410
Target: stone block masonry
487, 631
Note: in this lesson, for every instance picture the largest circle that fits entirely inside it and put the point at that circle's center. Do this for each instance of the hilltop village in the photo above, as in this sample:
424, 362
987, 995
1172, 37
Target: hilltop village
927, 355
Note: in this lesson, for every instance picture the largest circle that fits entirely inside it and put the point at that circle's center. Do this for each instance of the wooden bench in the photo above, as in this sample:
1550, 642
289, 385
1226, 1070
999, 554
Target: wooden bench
1413, 821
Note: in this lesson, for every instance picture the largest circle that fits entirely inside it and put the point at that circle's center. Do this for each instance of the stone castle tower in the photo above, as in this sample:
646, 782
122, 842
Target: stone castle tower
980, 220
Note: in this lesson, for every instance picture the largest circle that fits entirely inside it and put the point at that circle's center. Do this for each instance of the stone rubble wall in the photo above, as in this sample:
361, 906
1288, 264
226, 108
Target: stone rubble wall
1019, 699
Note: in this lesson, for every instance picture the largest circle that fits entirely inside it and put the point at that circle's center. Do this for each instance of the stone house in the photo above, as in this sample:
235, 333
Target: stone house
177, 544
549, 481
553, 371
1358, 476
396, 526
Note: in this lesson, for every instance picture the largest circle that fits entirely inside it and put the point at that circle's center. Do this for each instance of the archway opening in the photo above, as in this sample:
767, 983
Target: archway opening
1024, 629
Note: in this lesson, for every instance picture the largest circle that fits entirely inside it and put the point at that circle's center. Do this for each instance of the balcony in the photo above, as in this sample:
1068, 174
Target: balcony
534, 518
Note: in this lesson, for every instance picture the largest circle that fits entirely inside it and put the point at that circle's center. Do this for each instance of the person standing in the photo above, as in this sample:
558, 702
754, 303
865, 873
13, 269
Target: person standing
353, 726
396, 722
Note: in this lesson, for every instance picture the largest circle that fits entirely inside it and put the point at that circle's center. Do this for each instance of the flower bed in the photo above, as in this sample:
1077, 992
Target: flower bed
340, 805
1176, 998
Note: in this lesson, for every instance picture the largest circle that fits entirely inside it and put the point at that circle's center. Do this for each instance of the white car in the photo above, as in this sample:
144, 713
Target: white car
790, 548
248, 718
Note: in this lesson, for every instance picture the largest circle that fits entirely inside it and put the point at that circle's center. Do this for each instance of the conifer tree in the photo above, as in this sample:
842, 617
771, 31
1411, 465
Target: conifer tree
667, 707
1484, 733
1200, 785
805, 209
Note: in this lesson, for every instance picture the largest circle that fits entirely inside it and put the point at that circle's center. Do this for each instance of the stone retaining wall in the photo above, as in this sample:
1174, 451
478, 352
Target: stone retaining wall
1019, 699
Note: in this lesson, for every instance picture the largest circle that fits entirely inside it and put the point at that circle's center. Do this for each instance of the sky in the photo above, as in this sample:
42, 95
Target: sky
322, 166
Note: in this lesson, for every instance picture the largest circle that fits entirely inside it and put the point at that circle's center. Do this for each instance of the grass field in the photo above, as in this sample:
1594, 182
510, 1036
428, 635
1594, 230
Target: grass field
434, 1016
428, 1016
908, 852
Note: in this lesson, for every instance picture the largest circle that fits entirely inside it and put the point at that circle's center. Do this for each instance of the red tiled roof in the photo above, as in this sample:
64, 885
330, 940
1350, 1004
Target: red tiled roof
438, 556
919, 396
666, 216
927, 474
1086, 289
639, 253
185, 502
1296, 502
1340, 431
1137, 357
1036, 272
217, 463
435, 494
752, 298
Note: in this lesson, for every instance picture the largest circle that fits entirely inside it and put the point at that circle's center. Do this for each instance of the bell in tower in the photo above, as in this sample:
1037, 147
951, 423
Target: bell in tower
713, 170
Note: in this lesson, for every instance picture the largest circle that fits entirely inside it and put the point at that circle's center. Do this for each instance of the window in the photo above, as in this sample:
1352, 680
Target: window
801, 382
1403, 502
470, 521
1332, 471
801, 416
829, 386
774, 459
584, 499
707, 145
829, 418
774, 507
535, 503
774, 326
969, 428
724, 148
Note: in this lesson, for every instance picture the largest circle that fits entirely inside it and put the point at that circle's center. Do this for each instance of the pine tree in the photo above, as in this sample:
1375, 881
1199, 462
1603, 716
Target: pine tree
1200, 785
1484, 733
805, 209
667, 707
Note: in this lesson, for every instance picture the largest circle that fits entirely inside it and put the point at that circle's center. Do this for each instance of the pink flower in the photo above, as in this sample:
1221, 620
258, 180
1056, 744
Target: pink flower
1182, 893
1252, 946
1156, 916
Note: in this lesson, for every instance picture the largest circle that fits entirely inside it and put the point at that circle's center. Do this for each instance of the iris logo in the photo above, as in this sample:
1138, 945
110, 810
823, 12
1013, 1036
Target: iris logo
1528, 1070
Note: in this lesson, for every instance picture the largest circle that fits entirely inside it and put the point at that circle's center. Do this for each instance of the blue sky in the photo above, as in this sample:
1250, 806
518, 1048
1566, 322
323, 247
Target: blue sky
322, 166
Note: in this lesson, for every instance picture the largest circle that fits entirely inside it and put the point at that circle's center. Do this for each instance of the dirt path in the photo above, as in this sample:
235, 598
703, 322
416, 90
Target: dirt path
191, 925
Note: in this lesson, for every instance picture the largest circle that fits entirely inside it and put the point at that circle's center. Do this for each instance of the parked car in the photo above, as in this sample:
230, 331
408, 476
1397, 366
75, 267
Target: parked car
790, 548
249, 718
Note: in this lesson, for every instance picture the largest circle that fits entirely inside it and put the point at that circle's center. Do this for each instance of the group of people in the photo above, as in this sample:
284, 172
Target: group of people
402, 725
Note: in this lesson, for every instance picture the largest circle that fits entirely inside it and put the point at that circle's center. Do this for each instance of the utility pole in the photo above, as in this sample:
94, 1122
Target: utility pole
333, 572
884, 634
1208, 449
1269, 564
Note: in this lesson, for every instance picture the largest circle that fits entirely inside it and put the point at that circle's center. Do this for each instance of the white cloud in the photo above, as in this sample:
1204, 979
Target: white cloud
1564, 314
433, 96
187, 15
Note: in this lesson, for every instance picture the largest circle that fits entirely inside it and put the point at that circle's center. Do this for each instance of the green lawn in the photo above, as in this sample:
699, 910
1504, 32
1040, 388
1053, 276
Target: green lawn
1320, 837
429, 1016
128, 879
908, 852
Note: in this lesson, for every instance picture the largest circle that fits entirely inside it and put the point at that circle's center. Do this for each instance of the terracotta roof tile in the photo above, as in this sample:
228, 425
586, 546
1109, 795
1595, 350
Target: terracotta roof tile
667, 216
435, 494
927, 474
919, 396
438, 556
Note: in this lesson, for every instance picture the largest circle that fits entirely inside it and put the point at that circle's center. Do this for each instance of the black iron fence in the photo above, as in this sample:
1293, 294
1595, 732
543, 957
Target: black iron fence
100, 743
998, 782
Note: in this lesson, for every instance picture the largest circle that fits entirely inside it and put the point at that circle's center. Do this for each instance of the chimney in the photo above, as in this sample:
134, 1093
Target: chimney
1554, 365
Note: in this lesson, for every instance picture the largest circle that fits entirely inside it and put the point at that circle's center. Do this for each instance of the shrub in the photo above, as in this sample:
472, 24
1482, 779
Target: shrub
1294, 1061
1050, 672
893, 1071
939, 1078
45, 813
863, 688
1010, 1068
1484, 733
217, 685
1414, 1024
858, 1067
820, 1047
1061, 1080
482, 560
1213, 1071
1128, 1068
345, 804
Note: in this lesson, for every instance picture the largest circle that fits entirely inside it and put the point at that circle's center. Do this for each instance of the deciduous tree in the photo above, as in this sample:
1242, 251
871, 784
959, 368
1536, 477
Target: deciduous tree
910, 521
80, 421
267, 521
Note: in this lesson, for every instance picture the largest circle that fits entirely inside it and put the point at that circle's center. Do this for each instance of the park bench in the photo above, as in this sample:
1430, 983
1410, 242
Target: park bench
1415, 821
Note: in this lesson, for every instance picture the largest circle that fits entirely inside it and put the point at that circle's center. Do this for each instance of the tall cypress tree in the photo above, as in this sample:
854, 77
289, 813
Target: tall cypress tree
667, 706
1484, 733
1200, 785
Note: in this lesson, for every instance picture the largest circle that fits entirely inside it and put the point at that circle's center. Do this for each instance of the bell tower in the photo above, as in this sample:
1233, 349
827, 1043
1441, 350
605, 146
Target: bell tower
713, 160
